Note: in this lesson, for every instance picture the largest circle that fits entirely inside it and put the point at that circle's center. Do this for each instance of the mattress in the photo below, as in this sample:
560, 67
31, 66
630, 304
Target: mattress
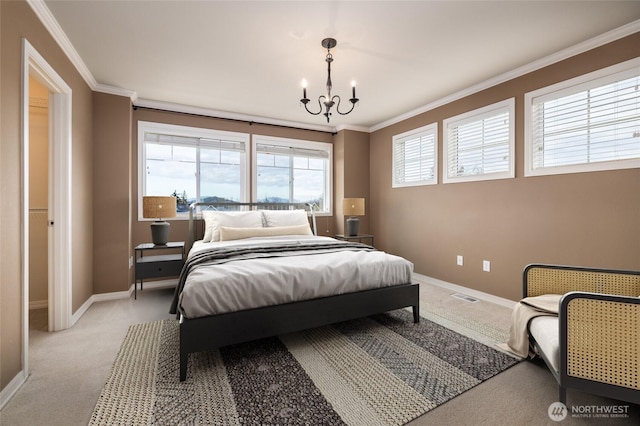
242, 282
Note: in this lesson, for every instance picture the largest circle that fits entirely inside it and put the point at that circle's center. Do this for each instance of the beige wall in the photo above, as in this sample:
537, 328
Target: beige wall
338, 183
351, 175
586, 219
112, 193
18, 21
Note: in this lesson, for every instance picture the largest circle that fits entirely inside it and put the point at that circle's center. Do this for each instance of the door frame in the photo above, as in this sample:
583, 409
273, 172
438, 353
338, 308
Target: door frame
59, 205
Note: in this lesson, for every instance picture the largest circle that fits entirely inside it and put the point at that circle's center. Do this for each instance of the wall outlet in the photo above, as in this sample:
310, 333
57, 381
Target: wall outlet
460, 260
486, 266
130, 262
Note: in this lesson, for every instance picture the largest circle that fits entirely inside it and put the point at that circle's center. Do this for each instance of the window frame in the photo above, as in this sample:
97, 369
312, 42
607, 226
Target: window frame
192, 132
575, 85
295, 143
429, 129
508, 106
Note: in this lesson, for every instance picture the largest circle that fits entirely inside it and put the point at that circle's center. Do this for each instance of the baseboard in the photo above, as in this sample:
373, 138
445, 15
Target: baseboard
114, 295
468, 291
38, 304
81, 310
7, 393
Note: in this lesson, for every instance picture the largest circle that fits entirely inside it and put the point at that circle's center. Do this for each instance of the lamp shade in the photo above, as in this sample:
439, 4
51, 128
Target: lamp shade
158, 207
353, 206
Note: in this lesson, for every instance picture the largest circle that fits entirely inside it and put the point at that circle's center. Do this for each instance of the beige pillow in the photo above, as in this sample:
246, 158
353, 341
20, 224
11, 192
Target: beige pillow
285, 217
213, 220
229, 233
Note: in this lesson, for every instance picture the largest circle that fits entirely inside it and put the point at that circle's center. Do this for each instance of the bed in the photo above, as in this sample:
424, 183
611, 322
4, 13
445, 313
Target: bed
262, 271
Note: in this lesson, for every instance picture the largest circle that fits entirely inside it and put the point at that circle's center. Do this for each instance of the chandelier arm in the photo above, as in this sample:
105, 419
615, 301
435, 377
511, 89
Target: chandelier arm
353, 104
319, 105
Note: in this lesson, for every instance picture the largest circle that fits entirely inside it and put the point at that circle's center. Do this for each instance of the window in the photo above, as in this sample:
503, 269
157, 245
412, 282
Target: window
292, 171
415, 157
585, 124
193, 164
479, 145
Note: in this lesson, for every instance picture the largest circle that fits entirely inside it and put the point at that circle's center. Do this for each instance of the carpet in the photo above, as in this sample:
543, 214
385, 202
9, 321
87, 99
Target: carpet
381, 370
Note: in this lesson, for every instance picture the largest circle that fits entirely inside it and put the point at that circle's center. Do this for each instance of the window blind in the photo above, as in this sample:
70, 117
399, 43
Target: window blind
415, 158
479, 144
176, 140
599, 124
291, 151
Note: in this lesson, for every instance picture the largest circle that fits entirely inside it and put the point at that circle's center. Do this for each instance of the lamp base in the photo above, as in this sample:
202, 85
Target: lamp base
353, 223
160, 232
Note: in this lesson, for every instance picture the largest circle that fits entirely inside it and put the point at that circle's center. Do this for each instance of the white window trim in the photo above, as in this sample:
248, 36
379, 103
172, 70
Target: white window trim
563, 88
498, 107
429, 128
187, 131
296, 143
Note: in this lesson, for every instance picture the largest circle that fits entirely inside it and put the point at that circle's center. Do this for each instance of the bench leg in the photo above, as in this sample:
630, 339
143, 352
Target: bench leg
184, 360
562, 394
416, 314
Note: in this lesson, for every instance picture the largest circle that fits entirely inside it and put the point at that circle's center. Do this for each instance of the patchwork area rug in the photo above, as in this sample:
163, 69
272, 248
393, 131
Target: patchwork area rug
382, 370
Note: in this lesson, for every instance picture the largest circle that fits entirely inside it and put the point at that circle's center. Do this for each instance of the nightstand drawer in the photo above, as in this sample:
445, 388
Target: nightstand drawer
159, 266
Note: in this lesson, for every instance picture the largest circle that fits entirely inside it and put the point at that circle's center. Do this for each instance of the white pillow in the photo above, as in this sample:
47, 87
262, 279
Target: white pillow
229, 233
285, 217
213, 220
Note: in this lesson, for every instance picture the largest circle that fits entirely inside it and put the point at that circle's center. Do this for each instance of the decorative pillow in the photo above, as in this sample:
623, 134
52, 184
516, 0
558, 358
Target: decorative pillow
228, 233
213, 220
285, 217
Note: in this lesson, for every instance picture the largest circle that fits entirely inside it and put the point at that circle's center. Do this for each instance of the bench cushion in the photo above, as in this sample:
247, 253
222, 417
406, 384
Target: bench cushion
546, 332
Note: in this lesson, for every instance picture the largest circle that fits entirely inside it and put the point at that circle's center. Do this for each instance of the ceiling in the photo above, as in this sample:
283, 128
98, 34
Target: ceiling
240, 57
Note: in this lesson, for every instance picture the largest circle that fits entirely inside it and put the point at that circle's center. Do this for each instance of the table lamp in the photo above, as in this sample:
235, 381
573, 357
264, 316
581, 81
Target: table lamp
159, 208
353, 207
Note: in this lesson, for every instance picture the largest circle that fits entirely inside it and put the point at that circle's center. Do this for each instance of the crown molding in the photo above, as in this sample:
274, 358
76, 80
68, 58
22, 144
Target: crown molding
112, 90
46, 17
51, 24
590, 44
354, 128
226, 115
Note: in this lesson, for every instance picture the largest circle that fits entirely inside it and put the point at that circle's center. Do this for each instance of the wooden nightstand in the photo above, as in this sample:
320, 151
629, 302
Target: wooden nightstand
157, 265
358, 237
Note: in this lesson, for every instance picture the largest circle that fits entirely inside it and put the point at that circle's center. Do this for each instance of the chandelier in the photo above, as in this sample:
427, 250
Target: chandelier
327, 101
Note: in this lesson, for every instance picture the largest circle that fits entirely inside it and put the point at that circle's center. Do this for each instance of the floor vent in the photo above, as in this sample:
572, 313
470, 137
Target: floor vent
465, 297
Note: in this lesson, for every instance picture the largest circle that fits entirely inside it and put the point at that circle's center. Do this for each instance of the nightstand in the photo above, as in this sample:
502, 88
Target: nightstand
358, 237
157, 265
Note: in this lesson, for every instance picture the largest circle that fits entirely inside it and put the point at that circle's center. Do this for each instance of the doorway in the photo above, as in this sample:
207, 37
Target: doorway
38, 205
58, 210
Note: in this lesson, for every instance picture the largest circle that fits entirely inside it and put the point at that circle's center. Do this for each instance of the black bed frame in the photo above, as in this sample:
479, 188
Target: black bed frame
215, 331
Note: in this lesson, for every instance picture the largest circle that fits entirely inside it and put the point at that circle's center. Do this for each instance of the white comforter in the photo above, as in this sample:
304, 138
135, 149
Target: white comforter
245, 284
